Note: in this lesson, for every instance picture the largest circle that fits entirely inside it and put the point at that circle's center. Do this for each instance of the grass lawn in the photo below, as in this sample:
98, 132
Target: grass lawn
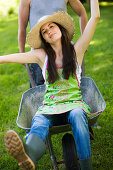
98, 65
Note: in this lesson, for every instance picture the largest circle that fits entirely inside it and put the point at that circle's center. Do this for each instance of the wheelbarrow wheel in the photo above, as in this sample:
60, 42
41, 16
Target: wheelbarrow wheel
70, 153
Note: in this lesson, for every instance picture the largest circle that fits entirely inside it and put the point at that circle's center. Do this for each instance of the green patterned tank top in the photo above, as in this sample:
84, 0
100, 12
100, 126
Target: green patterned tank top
62, 96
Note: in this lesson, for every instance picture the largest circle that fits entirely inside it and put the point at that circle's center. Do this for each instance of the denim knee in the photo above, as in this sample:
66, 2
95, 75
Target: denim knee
79, 123
40, 126
77, 116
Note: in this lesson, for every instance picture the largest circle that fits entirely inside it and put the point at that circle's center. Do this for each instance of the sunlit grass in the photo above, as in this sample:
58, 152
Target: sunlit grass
106, 3
99, 67
6, 5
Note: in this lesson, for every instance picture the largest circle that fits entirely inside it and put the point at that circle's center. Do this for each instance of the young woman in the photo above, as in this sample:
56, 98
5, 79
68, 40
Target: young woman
60, 61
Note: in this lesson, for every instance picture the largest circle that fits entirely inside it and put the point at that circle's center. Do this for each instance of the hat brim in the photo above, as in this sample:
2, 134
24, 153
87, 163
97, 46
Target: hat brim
62, 18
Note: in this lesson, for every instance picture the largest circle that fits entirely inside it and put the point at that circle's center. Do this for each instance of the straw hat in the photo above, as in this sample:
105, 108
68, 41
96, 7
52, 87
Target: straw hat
60, 17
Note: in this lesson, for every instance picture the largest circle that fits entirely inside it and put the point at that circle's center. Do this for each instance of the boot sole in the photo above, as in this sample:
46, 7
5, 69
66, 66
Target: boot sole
15, 147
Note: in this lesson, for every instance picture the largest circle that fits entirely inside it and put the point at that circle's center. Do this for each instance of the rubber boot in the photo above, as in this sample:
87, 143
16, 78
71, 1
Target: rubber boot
86, 164
35, 147
27, 154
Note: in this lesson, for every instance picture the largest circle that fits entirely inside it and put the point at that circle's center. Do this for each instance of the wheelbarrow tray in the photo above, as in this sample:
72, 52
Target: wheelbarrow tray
33, 98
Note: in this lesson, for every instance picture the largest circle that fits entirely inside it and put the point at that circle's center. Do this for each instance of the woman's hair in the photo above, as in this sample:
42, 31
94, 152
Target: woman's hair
69, 60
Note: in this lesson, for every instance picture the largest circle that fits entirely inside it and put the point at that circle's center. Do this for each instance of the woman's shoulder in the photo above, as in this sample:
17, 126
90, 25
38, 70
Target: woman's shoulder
40, 53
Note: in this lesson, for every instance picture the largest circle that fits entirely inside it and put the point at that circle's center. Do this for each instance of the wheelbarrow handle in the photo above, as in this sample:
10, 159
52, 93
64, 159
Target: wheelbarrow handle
30, 75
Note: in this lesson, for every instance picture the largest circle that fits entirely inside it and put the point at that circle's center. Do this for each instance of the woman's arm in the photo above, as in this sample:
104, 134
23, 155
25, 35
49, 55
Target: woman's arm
82, 43
35, 56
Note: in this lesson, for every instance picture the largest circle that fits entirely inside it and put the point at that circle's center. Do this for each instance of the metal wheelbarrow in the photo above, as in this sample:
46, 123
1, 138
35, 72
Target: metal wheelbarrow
32, 99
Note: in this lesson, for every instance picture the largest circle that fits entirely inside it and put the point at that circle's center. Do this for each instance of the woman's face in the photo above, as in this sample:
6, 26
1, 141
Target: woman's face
51, 32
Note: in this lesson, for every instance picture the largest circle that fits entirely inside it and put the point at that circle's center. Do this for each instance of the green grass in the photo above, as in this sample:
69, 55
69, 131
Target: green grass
14, 81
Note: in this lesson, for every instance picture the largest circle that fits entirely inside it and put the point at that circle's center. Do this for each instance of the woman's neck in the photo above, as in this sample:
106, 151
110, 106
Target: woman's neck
57, 47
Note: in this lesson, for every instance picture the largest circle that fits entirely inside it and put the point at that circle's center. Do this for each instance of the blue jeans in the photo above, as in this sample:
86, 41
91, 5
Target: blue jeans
37, 74
79, 124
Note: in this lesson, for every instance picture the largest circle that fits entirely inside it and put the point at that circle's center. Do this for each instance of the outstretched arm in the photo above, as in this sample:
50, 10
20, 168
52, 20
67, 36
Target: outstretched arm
23, 21
79, 9
35, 56
82, 43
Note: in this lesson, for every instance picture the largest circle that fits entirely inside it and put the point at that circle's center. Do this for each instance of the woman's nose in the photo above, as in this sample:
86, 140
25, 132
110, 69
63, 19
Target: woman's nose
49, 31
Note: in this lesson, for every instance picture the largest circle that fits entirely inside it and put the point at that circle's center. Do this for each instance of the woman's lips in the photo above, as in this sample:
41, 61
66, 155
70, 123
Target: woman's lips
52, 35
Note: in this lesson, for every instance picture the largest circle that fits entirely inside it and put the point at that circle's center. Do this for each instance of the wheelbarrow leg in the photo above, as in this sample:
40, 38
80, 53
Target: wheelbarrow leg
91, 133
51, 152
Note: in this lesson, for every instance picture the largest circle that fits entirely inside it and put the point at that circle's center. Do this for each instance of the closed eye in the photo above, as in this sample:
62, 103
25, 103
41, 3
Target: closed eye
44, 32
51, 26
